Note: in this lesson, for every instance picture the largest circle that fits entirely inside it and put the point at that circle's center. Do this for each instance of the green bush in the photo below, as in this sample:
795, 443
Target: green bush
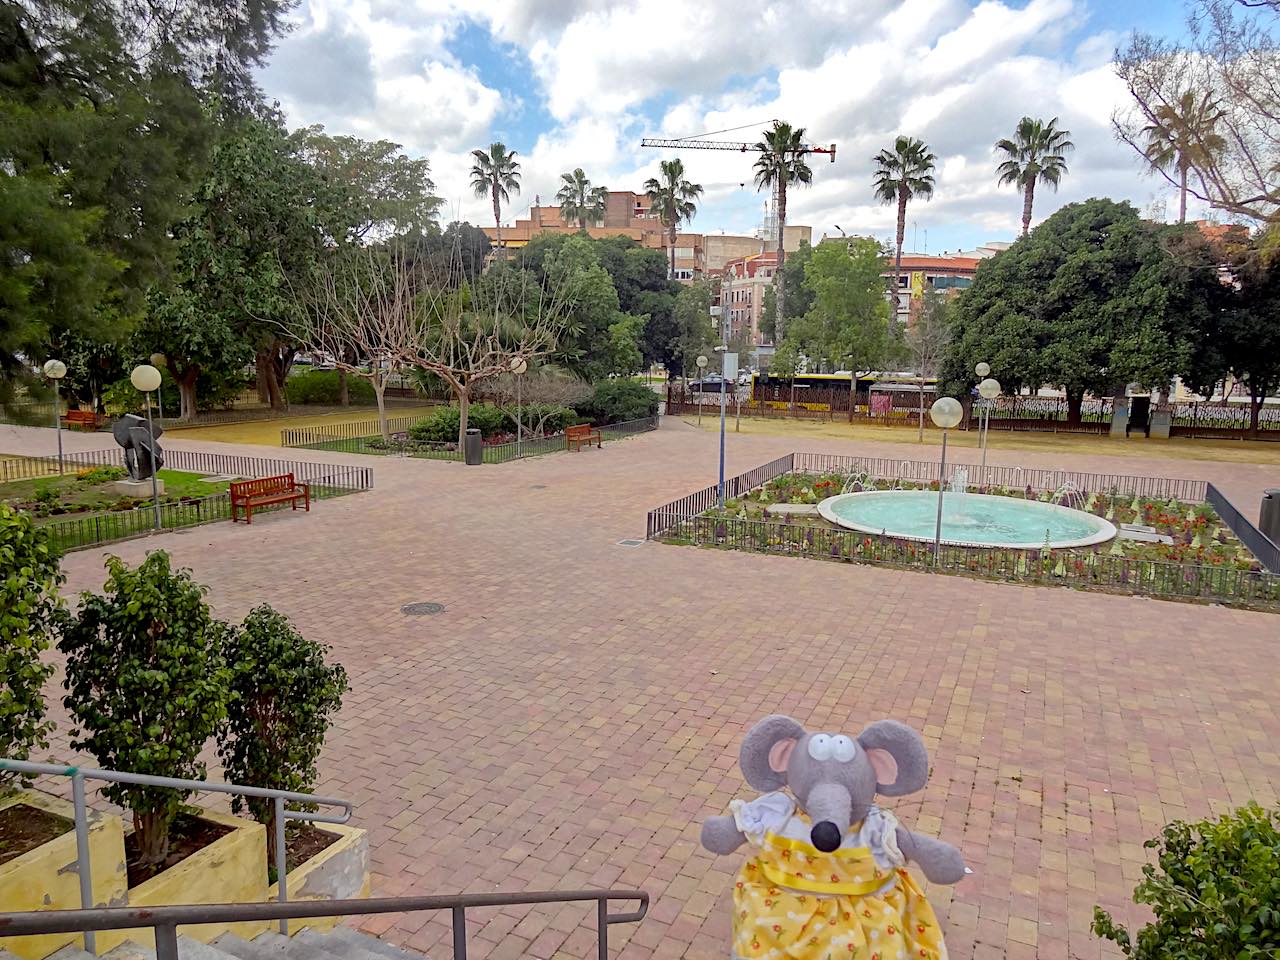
146, 686
1214, 890
616, 401
29, 604
324, 387
442, 425
283, 696
546, 418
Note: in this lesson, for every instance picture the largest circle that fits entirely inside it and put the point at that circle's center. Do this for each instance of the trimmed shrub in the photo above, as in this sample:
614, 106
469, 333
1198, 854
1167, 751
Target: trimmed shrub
146, 686
283, 696
442, 424
324, 387
616, 401
1214, 890
29, 606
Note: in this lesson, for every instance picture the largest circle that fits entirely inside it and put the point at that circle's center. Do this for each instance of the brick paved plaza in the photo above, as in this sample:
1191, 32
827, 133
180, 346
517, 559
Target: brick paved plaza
575, 713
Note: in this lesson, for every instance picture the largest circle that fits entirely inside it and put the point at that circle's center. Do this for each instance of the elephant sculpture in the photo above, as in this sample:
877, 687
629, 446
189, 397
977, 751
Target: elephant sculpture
828, 878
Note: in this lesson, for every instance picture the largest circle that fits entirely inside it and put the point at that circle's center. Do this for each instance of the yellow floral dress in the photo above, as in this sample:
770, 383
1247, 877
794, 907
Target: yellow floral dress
856, 903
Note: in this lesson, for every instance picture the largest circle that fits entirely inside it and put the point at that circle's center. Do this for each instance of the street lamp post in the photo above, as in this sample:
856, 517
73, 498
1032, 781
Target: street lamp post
702, 366
988, 389
518, 367
945, 413
724, 352
55, 370
981, 369
146, 378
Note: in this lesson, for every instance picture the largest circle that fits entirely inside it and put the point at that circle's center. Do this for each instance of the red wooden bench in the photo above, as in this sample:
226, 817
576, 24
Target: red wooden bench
575, 437
84, 419
248, 494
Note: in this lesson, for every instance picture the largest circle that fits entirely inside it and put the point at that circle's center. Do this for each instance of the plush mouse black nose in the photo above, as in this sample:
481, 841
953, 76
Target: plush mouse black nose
825, 836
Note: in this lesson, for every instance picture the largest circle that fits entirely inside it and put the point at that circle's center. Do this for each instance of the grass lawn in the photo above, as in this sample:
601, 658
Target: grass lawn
89, 492
267, 432
1234, 451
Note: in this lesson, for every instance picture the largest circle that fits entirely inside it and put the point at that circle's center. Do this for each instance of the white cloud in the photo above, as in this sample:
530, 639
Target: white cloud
857, 72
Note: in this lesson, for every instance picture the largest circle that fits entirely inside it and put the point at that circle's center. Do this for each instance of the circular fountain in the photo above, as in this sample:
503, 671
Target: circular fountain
968, 519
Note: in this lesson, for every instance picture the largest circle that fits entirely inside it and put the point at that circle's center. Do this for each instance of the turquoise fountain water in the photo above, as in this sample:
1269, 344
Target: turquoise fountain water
969, 519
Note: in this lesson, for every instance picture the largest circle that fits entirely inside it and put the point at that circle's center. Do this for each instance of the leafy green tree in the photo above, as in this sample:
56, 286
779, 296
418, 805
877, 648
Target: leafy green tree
600, 339
1213, 891
1182, 136
696, 326
1090, 301
1034, 155
29, 607
674, 200
146, 686
799, 298
902, 174
373, 191
495, 174
781, 163
283, 696
848, 323
579, 201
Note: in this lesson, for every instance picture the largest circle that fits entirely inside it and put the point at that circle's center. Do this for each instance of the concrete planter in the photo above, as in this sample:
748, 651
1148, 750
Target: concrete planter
47, 878
338, 872
232, 869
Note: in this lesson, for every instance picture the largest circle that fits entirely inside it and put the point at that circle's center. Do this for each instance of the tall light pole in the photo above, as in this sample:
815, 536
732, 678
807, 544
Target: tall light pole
702, 366
518, 367
945, 413
723, 350
981, 369
146, 378
55, 370
988, 389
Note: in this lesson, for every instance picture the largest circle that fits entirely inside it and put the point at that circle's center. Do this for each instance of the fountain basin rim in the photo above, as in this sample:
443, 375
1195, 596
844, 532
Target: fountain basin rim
1106, 530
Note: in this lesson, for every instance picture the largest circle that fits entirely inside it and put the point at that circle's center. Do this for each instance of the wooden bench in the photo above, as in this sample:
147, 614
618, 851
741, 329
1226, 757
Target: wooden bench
84, 419
575, 437
248, 494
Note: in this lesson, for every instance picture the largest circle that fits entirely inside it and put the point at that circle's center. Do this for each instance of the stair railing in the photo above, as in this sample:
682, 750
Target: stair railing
166, 920
79, 775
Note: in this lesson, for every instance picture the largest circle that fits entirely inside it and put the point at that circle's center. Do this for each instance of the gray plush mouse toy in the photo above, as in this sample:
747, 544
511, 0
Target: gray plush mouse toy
828, 877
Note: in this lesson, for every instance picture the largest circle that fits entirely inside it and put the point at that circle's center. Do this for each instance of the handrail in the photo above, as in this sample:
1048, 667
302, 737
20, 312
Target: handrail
78, 776
166, 920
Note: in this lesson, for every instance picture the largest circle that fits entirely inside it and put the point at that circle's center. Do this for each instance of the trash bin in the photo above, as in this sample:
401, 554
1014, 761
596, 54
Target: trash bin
473, 447
1269, 517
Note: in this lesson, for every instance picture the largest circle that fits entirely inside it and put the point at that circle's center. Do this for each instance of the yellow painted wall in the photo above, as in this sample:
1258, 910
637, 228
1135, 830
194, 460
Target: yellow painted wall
232, 869
340, 871
46, 878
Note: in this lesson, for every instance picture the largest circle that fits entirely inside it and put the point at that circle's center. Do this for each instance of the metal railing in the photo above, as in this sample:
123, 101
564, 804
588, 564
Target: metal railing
166, 920
1259, 544
79, 775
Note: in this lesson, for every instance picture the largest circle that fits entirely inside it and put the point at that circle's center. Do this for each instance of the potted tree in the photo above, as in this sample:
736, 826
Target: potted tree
283, 696
37, 832
147, 686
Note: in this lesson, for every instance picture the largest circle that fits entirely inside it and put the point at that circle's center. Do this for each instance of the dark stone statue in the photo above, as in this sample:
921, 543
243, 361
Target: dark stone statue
142, 453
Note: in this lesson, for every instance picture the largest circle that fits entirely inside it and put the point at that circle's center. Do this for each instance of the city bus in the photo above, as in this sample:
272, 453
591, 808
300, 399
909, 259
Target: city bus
827, 391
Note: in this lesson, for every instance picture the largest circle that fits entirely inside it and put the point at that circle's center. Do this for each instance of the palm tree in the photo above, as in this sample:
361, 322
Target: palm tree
672, 198
1034, 154
781, 162
495, 174
1182, 136
903, 173
579, 200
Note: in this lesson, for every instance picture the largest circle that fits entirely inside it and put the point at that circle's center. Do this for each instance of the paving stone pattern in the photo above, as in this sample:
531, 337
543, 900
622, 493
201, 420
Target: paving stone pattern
575, 712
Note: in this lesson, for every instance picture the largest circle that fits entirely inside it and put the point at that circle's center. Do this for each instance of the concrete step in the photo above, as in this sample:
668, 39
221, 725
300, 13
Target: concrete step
330, 947
71, 952
130, 951
366, 941
241, 949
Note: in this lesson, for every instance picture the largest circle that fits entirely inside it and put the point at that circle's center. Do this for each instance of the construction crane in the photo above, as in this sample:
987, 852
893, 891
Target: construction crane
691, 143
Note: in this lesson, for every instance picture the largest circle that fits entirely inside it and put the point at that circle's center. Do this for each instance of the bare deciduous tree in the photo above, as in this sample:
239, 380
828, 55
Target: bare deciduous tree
359, 309
927, 340
1231, 58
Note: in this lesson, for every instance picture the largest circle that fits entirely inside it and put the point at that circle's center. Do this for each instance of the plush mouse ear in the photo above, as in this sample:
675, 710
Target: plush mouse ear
897, 755
766, 751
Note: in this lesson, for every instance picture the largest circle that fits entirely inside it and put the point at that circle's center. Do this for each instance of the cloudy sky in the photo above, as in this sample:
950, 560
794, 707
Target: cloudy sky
570, 83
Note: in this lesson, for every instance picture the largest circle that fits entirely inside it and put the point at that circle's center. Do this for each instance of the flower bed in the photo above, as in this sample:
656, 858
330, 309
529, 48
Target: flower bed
1206, 561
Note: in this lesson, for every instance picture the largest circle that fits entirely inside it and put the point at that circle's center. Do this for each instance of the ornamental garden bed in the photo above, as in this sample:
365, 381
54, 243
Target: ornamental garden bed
87, 492
1207, 561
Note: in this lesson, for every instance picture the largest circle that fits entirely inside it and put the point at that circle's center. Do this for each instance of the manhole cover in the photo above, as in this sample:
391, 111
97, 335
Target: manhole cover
630, 543
422, 609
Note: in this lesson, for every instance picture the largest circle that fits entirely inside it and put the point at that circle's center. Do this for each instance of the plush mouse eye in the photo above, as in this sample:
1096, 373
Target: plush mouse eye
843, 749
820, 746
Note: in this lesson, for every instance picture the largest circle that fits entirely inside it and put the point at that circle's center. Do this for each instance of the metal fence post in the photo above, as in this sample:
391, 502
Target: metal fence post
281, 863
166, 941
459, 933
82, 854
602, 921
